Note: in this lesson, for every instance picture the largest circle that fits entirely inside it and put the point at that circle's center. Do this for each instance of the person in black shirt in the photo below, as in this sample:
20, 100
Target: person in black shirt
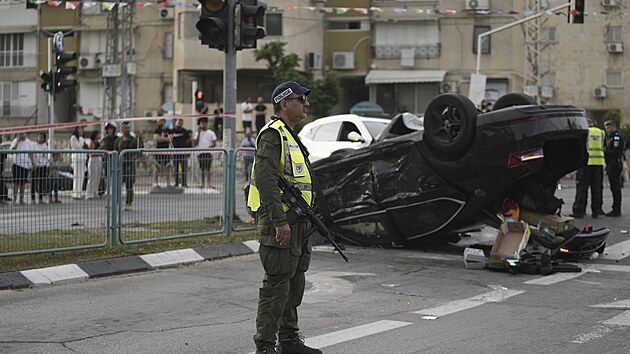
4, 191
613, 153
218, 121
162, 137
110, 136
261, 113
181, 140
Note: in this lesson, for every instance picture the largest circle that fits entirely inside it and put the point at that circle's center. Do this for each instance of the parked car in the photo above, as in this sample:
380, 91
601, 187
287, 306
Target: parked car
433, 177
346, 131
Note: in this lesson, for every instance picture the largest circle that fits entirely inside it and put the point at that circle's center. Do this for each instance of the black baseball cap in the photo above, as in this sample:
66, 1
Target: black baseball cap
285, 89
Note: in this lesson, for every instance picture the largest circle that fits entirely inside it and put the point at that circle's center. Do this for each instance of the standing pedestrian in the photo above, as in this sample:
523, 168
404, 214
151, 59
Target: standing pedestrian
77, 142
39, 176
218, 121
591, 175
248, 109
22, 165
285, 251
261, 114
125, 142
613, 151
181, 140
95, 165
56, 165
248, 156
204, 139
162, 137
4, 191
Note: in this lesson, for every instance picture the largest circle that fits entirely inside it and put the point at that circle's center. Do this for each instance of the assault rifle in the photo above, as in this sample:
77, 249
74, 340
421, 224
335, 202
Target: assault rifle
292, 196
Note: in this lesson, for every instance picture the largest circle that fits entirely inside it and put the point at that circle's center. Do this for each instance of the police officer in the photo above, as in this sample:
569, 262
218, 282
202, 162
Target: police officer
591, 175
285, 252
613, 151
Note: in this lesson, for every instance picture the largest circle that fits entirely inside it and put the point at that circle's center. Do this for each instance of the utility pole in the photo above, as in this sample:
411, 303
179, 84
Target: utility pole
229, 83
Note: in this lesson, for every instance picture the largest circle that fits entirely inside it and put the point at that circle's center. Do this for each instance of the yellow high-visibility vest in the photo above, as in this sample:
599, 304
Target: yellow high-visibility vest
292, 166
595, 147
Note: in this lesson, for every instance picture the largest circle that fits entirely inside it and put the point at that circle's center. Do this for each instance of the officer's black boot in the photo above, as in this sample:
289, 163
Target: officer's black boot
267, 349
296, 346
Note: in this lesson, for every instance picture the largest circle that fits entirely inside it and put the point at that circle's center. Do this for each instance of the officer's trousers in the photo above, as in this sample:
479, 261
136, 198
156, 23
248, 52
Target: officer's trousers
614, 178
283, 284
589, 176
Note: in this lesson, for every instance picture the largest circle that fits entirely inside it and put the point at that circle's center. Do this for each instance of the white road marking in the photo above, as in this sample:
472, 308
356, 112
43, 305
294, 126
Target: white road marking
623, 304
620, 320
349, 334
555, 278
328, 286
617, 251
496, 295
597, 333
611, 267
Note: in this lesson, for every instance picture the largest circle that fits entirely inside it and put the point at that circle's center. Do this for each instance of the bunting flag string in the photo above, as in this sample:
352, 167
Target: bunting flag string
109, 5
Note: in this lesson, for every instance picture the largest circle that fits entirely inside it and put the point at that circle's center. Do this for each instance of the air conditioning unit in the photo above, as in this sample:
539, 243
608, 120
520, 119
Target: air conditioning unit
610, 3
87, 62
615, 47
546, 91
449, 87
167, 13
313, 61
477, 4
343, 60
600, 92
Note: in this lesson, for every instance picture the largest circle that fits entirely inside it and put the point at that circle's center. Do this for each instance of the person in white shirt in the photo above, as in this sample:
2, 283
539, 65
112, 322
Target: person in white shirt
248, 112
22, 164
77, 142
39, 176
205, 138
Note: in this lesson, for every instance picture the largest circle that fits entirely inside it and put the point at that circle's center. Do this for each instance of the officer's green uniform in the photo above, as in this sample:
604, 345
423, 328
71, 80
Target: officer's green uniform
284, 266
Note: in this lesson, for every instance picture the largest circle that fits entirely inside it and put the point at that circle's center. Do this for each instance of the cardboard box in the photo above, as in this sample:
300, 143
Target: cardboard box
474, 258
559, 224
511, 240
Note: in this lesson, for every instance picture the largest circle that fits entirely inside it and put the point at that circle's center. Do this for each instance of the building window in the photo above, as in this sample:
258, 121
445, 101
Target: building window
16, 98
613, 34
548, 35
168, 45
614, 78
349, 25
421, 36
273, 23
485, 42
11, 49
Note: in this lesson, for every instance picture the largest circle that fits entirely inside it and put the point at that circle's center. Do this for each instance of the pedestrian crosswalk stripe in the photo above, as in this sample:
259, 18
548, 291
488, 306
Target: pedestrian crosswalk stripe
496, 295
617, 251
349, 334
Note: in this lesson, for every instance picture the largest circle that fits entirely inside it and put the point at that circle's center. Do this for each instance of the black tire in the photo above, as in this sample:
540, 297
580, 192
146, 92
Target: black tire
449, 123
513, 99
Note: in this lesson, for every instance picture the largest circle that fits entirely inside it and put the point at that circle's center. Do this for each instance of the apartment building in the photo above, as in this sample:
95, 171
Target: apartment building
418, 49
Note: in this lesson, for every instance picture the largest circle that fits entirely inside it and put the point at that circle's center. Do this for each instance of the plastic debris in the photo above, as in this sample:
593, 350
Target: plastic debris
389, 285
594, 256
624, 231
406, 294
430, 317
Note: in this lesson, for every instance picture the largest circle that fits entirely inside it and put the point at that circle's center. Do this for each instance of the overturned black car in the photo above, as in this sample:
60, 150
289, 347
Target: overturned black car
432, 177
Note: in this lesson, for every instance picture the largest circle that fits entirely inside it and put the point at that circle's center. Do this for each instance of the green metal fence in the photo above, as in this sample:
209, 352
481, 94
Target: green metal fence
168, 198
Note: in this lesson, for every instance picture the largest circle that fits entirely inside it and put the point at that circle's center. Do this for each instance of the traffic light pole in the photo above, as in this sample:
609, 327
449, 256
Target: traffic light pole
229, 84
51, 97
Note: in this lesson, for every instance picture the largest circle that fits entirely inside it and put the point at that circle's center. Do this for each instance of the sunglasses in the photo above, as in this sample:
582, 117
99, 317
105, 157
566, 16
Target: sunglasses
303, 99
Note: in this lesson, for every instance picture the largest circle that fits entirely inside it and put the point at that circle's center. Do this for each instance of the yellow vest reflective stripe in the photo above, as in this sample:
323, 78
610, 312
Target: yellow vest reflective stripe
292, 165
595, 147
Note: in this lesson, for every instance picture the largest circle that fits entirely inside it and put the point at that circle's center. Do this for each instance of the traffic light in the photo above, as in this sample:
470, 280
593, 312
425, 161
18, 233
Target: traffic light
250, 16
48, 81
199, 103
576, 11
62, 70
212, 24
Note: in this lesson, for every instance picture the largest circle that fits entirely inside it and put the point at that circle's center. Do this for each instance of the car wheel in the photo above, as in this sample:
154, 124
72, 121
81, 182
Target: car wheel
513, 99
449, 123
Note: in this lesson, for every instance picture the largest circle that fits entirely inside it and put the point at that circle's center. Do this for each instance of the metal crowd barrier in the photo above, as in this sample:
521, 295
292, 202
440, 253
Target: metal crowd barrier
141, 195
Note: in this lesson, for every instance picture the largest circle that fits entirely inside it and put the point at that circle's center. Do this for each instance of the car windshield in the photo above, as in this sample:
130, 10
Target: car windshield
375, 128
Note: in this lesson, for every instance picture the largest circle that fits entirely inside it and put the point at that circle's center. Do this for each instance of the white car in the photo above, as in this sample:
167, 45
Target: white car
345, 131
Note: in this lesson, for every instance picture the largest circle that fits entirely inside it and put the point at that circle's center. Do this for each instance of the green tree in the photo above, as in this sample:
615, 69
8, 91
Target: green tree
326, 91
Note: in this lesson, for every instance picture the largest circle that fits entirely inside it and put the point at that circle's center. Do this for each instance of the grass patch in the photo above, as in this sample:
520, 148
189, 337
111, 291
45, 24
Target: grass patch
64, 238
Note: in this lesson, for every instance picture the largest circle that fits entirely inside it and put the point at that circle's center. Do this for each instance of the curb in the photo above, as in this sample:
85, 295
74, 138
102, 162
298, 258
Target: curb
134, 264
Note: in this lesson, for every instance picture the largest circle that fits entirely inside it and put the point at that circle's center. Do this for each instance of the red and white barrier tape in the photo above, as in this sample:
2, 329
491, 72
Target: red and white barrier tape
40, 127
